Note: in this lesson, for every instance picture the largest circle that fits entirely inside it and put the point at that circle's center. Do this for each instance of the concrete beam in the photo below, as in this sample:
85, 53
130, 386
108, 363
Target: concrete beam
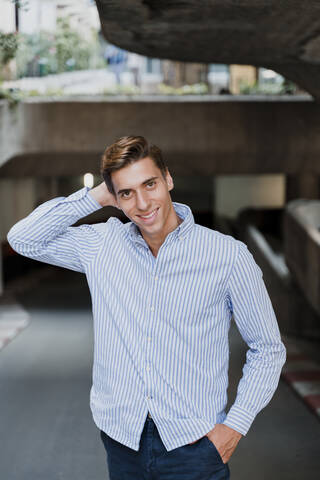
283, 36
204, 135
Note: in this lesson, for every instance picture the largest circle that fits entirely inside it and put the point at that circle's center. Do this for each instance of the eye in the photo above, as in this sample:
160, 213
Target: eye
150, 184
125, 194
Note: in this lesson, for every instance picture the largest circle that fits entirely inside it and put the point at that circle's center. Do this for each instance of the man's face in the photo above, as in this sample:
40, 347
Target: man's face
143, 195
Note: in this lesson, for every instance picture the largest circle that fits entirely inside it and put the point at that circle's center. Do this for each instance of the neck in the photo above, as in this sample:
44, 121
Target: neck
155, 243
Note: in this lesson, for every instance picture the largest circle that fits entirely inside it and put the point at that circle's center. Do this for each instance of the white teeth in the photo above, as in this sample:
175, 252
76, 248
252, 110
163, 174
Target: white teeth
148, 216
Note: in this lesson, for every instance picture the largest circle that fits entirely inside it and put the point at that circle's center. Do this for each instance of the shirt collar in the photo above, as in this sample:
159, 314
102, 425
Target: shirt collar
181, 231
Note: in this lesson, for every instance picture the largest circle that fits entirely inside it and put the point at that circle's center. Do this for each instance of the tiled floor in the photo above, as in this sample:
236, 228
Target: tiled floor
303, 375
13, 319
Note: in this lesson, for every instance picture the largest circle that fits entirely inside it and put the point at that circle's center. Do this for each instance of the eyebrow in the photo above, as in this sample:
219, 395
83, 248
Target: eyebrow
143, 183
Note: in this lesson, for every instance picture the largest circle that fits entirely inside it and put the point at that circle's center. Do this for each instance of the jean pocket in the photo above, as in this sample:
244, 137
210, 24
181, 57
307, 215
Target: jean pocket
104, 438
212, 445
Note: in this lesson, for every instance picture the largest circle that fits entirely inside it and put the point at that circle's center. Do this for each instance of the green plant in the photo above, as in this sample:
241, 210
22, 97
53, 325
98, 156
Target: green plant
8, 47
32, 93
194, 89
46, 53
53, 92
72, 51
14, 96
36, 54
21, 4
267, 89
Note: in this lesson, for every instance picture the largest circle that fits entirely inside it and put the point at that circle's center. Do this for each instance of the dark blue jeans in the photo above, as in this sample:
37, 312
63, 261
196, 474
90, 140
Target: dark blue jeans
199, 461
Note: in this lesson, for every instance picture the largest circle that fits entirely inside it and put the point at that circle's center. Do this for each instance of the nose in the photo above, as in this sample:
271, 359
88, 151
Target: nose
142, 201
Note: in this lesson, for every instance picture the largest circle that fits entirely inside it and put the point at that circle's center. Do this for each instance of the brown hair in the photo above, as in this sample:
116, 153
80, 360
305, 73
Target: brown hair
127, 150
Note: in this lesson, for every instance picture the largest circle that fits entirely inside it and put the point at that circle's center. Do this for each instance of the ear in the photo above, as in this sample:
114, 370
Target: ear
117, 203
169, 181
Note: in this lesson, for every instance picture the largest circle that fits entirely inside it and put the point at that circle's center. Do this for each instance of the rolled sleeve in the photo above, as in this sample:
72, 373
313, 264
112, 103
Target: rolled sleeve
46, 233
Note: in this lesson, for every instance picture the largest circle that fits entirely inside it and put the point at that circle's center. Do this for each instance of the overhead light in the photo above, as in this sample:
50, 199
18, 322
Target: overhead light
88, 180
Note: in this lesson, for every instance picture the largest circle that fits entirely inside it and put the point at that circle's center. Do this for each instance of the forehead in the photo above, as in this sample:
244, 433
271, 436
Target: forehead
133, 175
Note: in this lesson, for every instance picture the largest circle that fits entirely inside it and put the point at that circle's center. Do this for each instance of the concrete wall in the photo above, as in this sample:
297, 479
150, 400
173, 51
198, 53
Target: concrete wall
234, 192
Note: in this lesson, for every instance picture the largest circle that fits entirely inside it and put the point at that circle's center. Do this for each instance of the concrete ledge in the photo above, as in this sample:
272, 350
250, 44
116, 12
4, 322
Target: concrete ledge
169, 98
302, 246
294, 311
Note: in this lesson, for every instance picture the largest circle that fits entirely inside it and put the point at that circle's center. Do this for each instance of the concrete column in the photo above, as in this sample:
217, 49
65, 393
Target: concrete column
1, 272
16, 202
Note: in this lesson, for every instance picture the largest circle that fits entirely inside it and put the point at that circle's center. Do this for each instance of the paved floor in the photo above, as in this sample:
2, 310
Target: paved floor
46, 428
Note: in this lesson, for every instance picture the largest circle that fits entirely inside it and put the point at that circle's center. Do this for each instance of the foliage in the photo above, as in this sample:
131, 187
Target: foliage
15, 95
49, 92
12, 95
8, 47
21, 4
286, 87
36, 54
194, 89
46, 53
72, 52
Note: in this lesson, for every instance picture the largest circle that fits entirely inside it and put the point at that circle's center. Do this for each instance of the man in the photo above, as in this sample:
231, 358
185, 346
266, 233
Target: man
117, 58
164, 290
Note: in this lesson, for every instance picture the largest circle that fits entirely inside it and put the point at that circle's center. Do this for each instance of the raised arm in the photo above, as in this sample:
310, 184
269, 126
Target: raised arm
46, 233
255, 318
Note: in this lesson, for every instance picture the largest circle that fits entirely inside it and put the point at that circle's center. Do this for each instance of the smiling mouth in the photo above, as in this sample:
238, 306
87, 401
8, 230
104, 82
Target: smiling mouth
150, 215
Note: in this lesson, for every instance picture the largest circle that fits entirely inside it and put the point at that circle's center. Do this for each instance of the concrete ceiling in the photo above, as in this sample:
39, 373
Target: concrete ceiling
283, 35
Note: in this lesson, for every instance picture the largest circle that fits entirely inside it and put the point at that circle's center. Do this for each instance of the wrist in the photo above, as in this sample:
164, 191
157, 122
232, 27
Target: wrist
96, 195
101, 194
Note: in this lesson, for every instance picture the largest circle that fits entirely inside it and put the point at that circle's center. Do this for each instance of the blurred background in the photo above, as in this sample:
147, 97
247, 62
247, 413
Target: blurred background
230, 93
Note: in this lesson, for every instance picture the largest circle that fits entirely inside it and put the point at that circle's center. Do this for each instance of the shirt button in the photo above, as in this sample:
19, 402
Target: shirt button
148, 368
152, 309
156, 277
149, 339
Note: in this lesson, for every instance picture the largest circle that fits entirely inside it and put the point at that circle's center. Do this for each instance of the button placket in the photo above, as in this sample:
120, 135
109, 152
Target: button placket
152, 314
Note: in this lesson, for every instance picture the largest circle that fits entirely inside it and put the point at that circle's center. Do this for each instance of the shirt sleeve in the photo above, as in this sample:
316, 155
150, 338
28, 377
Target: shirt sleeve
253, 313
46, 233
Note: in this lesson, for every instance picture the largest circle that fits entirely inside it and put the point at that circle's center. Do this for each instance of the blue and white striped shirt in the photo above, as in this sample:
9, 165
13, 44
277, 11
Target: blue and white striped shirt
161, 323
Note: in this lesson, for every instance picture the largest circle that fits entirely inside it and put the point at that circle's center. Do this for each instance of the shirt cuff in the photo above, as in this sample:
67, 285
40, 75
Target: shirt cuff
239, 419
83, 202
